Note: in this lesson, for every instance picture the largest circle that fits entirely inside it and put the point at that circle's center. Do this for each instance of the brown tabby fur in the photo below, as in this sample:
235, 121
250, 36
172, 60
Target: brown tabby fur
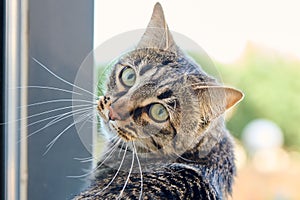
189, 155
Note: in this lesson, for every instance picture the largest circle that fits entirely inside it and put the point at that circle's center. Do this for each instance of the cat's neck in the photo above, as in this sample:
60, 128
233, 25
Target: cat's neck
216, 142
214, 156
212, 137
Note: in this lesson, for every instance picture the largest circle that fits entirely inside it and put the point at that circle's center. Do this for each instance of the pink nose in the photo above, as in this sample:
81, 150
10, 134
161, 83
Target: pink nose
113, 115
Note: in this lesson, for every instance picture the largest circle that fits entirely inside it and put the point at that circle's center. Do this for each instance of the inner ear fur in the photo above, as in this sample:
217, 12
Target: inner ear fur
233, 97
215, 100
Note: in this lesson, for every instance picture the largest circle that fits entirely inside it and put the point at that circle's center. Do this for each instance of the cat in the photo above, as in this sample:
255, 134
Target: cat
165, 120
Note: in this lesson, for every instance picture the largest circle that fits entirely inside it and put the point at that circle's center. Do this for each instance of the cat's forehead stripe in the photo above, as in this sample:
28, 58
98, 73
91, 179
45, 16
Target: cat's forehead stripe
166, 94
145, 68
120, 94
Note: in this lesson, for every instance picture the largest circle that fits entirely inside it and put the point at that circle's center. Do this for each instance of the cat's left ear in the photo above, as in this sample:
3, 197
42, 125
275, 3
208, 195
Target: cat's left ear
157, 34
218, 99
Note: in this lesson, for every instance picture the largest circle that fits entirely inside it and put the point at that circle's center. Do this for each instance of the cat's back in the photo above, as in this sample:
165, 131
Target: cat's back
191, 176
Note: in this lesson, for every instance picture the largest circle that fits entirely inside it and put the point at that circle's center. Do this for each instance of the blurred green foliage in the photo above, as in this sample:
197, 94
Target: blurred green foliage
271, 84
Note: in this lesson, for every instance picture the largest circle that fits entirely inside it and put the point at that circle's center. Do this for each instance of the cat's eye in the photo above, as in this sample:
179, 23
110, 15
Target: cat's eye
158, 113
128, 76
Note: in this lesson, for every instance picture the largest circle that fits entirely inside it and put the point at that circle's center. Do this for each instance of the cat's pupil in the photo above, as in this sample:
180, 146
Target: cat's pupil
160, 112
130, 76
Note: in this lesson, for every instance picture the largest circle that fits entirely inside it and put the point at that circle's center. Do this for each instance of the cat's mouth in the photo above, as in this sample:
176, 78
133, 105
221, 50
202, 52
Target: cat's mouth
122, 132
114, 123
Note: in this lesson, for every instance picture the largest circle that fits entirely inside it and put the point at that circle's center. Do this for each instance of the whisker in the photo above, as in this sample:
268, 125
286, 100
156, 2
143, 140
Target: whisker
126, 182
36, 122
86, 120
98, 143
122, 148
122, 161
79, 131
83, 159
72, 113
202, 85
58, 77
113, 138
98, 166
114, 146
87, 160
45, 112
49, 88
54, 121
138, 160
49, 146
59, 100
93, 120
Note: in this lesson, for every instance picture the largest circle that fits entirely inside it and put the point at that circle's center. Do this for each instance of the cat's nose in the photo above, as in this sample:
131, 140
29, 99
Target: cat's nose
112, 115
120, 109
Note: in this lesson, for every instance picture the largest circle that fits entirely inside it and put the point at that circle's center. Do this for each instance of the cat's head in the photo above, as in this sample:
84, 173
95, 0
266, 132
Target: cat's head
160, 99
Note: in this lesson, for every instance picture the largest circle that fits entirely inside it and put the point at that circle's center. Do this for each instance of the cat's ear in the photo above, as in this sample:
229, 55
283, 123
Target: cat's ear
218, 99
157, 34
232, 96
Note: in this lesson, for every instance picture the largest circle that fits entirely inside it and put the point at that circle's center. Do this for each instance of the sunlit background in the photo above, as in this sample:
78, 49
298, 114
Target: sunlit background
255, 46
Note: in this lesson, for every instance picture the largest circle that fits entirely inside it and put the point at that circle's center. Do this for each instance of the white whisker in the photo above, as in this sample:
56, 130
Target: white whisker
98, 166
58, 77
114, 146
86, 120
59, 100
122, 148
72, 113
87, 160
49, 88
49, 146
58, 109
126, 182
46, 112
123, 158
54, 121
138, 160
83, 159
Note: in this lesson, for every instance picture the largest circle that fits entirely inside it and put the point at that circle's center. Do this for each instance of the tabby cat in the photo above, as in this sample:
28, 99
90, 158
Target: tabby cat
164, 118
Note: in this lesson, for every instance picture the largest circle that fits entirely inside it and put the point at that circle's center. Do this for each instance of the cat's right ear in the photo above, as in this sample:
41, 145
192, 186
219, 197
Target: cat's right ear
215, 100
232, 97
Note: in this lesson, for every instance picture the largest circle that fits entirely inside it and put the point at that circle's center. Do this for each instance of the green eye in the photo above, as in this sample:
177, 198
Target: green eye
127, 76
158, 112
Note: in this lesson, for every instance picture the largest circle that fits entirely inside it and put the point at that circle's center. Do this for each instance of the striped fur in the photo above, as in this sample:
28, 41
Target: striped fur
189, 154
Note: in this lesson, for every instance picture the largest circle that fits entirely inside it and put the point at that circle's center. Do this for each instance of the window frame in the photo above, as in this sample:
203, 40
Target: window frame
22, 20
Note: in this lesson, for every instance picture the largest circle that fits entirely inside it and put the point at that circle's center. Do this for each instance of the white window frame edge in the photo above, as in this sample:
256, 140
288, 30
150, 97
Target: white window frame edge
16, 73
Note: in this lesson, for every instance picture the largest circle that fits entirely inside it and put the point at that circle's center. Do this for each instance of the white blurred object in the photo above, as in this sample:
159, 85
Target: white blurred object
262, 134
263, 140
